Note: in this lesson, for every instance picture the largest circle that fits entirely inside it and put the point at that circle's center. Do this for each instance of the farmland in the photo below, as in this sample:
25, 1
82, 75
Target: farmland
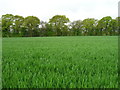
60, 62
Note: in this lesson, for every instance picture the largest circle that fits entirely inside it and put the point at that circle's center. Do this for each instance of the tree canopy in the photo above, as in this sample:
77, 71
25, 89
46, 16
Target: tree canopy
58, 25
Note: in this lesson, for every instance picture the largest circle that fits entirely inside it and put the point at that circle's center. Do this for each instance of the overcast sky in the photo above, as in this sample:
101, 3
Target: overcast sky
73, 9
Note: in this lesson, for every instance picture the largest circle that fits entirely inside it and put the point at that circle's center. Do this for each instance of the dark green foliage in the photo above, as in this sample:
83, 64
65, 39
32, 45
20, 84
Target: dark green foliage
7, 23
76, 28
31, 23
58, 25
18, 26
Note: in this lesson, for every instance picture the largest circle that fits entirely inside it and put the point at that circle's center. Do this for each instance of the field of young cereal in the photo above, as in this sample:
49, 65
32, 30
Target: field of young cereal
60, 62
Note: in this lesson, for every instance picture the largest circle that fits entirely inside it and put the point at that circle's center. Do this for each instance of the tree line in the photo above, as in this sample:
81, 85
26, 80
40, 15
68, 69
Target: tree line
58, 25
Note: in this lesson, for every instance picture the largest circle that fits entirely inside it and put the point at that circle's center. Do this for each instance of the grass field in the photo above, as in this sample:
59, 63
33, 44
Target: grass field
64, 62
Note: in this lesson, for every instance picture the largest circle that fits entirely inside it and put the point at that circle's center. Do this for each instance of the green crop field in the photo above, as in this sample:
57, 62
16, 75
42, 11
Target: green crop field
60, 62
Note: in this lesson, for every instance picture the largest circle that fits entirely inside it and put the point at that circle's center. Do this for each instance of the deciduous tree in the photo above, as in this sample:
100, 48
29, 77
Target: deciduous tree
58, 23
7, 24
76, 27
89, 25
18, 25
31, 23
